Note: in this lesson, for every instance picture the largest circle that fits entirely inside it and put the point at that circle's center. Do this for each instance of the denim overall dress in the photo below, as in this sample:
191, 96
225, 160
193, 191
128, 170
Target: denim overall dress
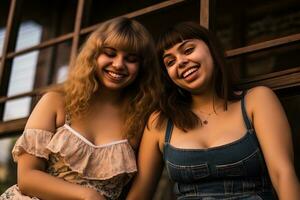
232, 171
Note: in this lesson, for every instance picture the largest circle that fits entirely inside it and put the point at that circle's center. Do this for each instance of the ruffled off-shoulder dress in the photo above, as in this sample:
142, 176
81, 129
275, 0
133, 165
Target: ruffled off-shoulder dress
106, 168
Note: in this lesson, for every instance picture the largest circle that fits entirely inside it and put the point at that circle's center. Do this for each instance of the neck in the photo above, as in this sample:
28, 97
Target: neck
105, 96
207, 102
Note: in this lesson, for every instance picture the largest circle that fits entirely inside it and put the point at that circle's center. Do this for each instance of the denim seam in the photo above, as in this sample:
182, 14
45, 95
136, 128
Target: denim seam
240, 161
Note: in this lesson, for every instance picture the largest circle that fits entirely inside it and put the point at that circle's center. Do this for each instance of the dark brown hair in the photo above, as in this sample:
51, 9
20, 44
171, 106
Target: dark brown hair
175, 103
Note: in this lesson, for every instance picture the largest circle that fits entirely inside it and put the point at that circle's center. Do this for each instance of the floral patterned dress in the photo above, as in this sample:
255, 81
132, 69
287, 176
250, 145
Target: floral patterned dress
70, 156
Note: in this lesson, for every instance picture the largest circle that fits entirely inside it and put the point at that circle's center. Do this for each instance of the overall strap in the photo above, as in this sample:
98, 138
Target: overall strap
247, 121
169, 131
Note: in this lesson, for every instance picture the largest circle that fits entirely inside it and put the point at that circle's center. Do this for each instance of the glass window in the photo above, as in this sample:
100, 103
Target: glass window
2, 35
23, 66
4, 8
239, 25
34, 70
157, 21
266, 61
61, 62
54, 17
98, 11
17, 108
29, 35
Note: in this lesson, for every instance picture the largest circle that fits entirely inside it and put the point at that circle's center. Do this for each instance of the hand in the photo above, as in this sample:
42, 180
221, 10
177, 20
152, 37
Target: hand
91, 194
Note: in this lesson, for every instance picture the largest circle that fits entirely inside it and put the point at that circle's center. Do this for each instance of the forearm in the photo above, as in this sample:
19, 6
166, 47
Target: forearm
139, 191
42, 185
287, 186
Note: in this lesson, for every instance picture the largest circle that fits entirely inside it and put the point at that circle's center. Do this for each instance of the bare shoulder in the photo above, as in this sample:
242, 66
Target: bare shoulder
154, 124
52, 101
260, 95
261, 100
54, 98
48, 113
156, 129
260, 91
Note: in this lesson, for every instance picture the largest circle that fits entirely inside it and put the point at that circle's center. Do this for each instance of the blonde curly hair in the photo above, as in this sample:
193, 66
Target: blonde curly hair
128, 35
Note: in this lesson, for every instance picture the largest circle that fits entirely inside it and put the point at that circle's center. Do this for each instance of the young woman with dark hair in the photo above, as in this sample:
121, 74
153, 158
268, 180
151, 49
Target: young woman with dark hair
216, 143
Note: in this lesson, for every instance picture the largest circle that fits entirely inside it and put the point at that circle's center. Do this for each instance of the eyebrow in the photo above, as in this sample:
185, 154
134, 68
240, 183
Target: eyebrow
179, 47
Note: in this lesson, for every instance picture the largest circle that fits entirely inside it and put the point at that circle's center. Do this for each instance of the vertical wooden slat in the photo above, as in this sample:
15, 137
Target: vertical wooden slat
204, 13
77, 27
6, 39
8, 45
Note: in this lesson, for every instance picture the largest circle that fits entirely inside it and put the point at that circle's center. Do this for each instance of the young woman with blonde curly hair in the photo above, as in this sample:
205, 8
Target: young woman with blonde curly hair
79, 143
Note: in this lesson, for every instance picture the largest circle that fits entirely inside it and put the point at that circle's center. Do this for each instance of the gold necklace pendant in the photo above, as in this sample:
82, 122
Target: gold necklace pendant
205, 121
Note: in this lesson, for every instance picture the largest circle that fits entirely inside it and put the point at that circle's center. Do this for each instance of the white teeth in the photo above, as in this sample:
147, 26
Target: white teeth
188, 72
115, 75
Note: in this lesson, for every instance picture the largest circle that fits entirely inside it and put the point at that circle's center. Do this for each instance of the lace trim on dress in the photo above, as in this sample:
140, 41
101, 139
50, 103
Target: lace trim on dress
92, 163
33, 141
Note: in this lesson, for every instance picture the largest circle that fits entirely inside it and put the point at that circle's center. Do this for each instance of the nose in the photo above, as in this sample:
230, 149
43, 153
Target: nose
118, 62
182, 61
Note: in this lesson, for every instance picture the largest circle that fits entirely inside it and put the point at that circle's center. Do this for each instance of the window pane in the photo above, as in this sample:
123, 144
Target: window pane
97, 11
23, 73
61, 62
29, 35
158, 21
17, 108
2, 35
61, 75
54, 17
4, 8
267, 61
238, 25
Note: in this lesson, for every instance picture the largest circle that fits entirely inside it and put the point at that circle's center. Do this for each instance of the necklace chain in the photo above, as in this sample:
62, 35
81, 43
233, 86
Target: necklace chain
208, 115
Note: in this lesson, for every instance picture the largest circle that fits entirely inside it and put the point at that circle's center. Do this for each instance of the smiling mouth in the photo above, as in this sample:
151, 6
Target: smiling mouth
115, 75
189, 71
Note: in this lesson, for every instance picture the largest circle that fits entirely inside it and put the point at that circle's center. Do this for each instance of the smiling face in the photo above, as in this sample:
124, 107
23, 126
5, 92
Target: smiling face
190, 65
116, 69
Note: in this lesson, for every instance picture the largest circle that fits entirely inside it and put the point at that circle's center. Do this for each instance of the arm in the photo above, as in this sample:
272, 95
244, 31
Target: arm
32, 178
150, 165
274, 135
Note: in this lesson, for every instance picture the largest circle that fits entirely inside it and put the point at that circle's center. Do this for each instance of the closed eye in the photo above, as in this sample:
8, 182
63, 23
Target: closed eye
169, 62
109, 52
132, 58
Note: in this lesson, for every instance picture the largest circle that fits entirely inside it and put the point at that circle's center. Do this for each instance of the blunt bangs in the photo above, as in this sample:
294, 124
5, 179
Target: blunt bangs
126, 39
179, 33
167, 40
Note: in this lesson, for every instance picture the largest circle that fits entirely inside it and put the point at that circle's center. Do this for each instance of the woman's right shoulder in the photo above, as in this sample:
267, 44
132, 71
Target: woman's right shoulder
49, 112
